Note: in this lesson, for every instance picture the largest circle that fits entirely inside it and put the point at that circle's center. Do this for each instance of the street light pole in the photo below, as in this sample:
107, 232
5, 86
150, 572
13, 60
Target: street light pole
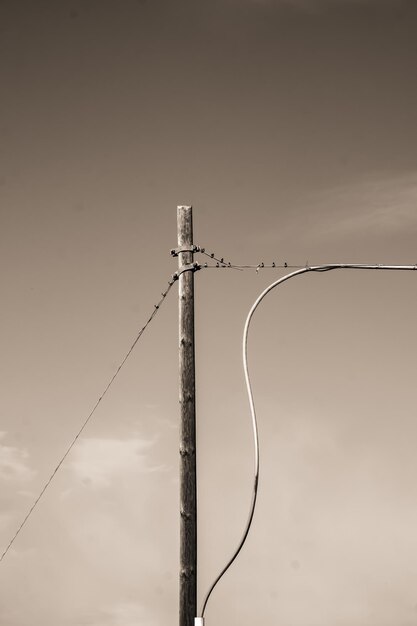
315, 268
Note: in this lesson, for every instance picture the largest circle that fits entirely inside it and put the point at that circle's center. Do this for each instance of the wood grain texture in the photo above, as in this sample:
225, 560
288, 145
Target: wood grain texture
188, 477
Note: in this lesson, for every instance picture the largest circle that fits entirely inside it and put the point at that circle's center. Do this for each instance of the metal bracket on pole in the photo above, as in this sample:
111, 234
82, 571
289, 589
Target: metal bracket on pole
190, 267
177, 251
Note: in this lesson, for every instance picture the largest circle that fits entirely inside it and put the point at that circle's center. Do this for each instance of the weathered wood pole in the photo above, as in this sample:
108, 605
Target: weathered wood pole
188, 474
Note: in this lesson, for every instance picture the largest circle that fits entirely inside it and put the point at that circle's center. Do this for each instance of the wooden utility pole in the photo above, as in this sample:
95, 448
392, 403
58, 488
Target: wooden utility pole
188, 474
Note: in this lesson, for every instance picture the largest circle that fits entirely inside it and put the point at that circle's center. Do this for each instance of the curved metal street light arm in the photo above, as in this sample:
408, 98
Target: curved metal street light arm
314, 268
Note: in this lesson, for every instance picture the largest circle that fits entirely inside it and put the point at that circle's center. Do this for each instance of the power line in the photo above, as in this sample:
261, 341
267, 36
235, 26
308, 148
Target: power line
222, 263
90, 415
313, 268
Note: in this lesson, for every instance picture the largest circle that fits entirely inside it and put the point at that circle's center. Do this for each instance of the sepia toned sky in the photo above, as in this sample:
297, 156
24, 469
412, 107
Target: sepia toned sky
290, 126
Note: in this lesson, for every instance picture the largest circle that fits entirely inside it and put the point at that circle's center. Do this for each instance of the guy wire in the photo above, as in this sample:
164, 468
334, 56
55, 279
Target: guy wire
90, 415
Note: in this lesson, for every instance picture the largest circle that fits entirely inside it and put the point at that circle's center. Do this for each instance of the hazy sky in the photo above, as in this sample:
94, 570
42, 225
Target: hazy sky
290, 125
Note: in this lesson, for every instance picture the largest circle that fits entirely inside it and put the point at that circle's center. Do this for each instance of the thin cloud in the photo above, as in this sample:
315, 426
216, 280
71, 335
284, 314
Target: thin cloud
126, 614
380, 206
5, 519
14, 463
98, 462
342, 532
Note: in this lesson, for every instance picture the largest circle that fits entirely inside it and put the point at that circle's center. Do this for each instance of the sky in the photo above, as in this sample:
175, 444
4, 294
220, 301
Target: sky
290, 127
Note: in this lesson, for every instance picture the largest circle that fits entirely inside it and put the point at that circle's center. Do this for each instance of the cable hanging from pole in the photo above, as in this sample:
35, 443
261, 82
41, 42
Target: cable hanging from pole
199, 621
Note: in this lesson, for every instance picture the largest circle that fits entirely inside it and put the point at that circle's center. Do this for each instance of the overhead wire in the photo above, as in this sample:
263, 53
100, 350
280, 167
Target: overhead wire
302, 270
90, 415
174, 277
220, 262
